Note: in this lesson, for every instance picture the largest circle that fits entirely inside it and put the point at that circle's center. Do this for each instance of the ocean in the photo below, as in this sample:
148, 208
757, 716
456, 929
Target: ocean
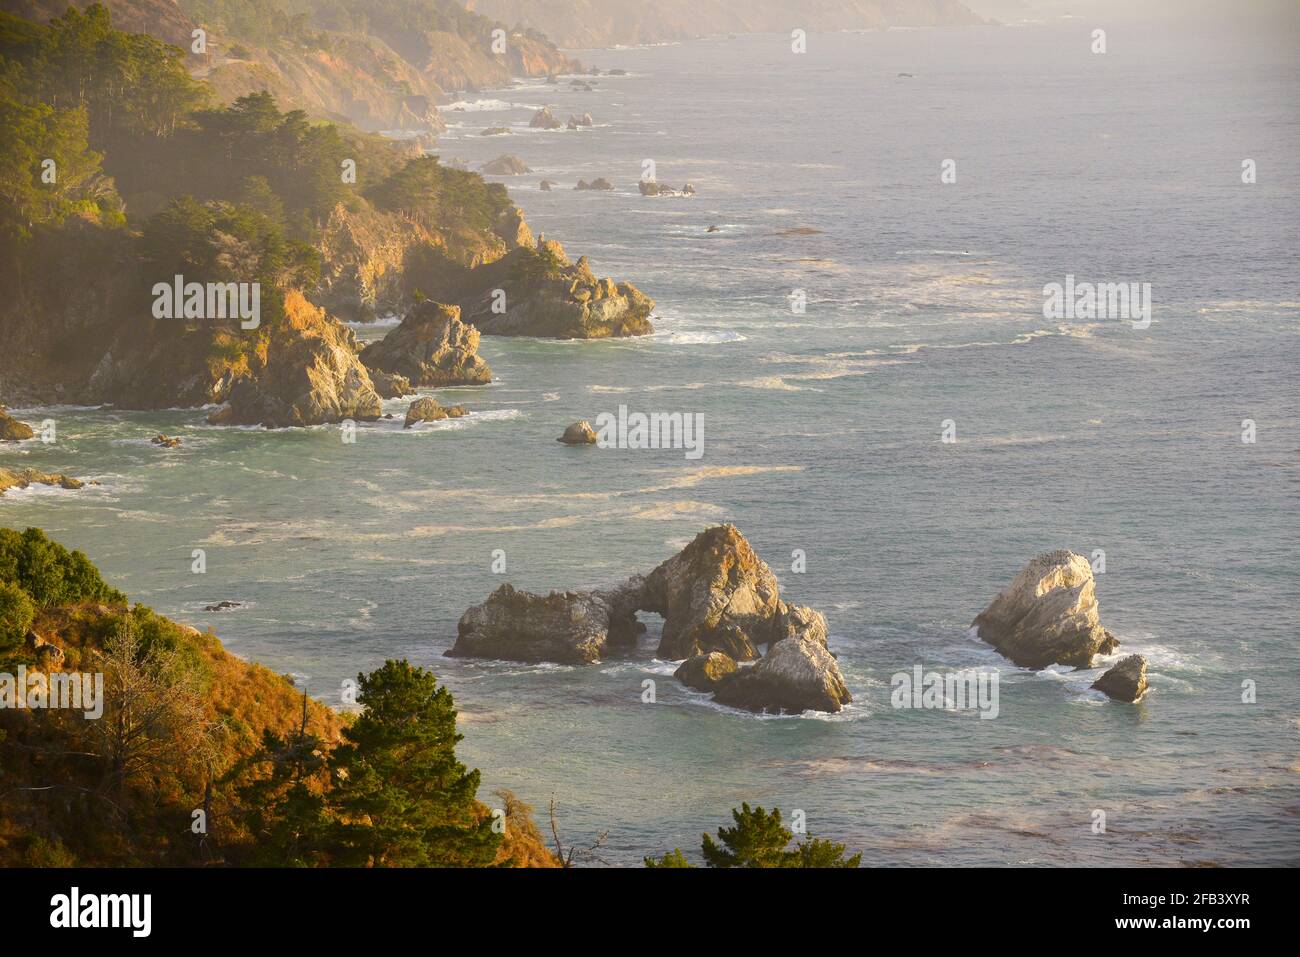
922, 310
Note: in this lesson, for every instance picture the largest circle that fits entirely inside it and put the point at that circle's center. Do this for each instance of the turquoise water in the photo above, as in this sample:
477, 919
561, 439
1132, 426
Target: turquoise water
822, 433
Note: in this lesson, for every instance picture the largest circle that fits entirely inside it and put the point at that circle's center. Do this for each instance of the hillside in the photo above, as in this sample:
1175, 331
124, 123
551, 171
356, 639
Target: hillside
378, 65
180, 732
588, 24
322, 220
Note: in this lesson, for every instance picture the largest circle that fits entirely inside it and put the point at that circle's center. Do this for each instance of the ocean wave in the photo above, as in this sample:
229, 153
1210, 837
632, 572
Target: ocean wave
487, 106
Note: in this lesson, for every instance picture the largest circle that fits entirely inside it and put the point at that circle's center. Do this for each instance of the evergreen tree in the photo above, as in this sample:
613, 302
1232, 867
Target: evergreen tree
758, 839
401, 797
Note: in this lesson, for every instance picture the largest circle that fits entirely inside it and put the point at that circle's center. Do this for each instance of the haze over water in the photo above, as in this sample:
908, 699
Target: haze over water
822, 433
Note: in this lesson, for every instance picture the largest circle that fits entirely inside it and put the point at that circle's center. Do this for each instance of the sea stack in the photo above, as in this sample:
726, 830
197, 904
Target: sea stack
1048, 615
1125, 681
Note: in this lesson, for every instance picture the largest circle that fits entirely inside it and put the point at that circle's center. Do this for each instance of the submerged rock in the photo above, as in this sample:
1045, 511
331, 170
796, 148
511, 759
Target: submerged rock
794, 676
507, 165
431, 348
584, 120
579, 433
565, 627
11, 430
714, 595
428, 409
703, 672
652, 188
1126, 680
166, 441
547, 185
1048, 615
22, 478
599, 183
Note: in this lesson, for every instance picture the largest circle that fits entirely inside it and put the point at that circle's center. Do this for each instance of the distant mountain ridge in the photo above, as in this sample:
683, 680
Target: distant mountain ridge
587, 24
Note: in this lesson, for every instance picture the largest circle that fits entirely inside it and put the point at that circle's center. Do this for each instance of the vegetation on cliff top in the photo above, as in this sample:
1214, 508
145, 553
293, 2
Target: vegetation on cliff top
200, 758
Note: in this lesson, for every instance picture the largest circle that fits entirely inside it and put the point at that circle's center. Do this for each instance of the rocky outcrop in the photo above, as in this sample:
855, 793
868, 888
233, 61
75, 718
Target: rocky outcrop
652, 188
793, 677
390, 385
507, 165
579, 433
719, 602
544, 119
428, 409
431, 348
1048, 615
22, 478
547, 185
800, 621
311, 375
704, 672
565, 627
545, 295
600, 183
1126, 681
575, 122
11, 430
165, 441
715, 595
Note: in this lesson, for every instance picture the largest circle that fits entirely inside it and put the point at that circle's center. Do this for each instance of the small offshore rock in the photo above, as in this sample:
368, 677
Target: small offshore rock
1126, 680
579, 433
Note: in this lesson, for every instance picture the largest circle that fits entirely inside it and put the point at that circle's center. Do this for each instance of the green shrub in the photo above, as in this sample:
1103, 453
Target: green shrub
16, 615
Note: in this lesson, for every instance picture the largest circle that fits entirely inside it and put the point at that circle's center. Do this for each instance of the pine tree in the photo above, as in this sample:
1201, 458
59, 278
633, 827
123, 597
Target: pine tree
401, 797
759, 840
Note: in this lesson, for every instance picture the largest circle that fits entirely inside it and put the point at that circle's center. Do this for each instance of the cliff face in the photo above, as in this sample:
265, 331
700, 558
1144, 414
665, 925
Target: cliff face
586, 24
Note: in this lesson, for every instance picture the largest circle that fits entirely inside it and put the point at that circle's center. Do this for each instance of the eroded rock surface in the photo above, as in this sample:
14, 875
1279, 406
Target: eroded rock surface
431, 348
1126, 680
572, 627
714, 595
579, 433
1048, 615
703, 672
11, 430
794, 676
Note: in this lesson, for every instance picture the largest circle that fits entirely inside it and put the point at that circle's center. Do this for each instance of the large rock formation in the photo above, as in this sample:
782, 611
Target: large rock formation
566, 627
719, 602
1126, 681
794, 676
430, 348
714, 595
11, 430
546, 295
311, 375
1048, 615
